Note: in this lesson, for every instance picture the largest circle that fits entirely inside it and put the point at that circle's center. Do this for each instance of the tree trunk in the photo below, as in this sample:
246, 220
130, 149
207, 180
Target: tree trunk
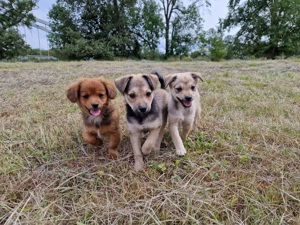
167, 40
272, 52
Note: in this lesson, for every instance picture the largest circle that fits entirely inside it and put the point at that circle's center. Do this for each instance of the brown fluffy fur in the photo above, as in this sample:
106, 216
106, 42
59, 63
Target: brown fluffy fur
94, 95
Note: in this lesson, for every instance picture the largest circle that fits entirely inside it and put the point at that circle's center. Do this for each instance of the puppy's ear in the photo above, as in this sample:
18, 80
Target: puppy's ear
152, 80
170, 79
197, 76
110, 89
122, 83
73, 91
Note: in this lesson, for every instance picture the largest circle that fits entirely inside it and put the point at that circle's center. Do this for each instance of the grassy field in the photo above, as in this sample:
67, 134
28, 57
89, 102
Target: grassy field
242, 166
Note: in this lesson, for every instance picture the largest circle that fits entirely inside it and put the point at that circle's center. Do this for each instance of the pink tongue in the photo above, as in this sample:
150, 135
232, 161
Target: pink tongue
95, 112
187, 104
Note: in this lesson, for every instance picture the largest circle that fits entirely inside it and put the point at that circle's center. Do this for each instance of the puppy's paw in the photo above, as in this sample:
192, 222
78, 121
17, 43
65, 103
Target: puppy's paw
113, 154
146, 149
181, 152
138, 165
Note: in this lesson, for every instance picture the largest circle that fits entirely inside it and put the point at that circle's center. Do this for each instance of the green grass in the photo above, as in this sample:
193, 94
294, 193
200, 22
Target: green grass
242, 166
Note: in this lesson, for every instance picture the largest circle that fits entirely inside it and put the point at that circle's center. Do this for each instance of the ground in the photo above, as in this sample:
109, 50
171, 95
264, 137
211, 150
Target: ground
242, 165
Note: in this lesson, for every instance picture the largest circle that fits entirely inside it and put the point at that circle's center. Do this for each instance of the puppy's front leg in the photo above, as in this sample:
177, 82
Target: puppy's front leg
114, 141
161, 134
173, 128
135, 139
151, 140
91, 138
186, 128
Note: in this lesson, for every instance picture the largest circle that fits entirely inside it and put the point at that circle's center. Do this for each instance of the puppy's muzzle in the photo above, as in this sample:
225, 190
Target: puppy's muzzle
95, 105
142, 109
186, 101
188, 98
95, 111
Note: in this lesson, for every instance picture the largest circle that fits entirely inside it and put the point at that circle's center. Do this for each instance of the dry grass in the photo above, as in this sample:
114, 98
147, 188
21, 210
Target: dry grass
242, 166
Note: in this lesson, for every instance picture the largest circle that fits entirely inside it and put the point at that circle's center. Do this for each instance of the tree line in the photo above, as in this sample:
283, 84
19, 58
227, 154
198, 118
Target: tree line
156, 29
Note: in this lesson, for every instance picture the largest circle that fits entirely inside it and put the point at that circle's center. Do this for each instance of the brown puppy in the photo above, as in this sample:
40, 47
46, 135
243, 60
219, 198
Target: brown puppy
183, 106
100, 117
146, 108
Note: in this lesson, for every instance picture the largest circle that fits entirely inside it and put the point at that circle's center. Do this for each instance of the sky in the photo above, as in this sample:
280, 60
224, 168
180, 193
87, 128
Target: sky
38, 39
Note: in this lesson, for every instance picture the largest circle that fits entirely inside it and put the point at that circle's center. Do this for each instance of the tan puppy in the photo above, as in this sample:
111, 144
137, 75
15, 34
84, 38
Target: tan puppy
183, 107
146, 108
100, 117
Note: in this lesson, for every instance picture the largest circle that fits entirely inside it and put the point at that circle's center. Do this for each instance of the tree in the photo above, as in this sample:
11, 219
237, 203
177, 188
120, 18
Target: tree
272, 27
212, 44
121, 27
63, 26
217, 46
148, 24
12, 44
14, 13
181, 24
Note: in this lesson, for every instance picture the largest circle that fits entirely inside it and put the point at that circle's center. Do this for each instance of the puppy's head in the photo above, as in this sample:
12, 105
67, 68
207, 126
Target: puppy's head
92, 95
138, 91
183, 87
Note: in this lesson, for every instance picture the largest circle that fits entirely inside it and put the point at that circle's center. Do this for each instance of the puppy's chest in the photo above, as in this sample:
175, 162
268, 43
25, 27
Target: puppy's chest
144, 120
144, 127
99, 125
183, 114
94, 121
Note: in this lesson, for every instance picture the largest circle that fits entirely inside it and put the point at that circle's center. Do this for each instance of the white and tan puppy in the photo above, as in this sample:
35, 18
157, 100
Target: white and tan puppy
183, 106
146, 108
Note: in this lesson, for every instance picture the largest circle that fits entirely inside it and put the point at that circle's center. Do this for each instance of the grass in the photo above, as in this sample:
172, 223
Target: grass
242, 166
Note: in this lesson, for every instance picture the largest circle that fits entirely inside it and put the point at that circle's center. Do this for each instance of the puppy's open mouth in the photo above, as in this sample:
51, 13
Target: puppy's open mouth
94, 112
186, 104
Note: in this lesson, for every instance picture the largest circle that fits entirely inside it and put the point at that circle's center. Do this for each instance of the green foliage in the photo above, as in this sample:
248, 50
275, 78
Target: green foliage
148, 24
212, 42
110, 28
182, 22
160, 167
196, 54
218, 48
129, 28
14, 13
151, 54
12, 44
269, 28
84, 49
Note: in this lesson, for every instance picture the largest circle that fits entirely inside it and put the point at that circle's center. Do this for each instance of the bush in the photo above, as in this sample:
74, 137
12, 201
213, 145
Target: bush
151, 55
84, 49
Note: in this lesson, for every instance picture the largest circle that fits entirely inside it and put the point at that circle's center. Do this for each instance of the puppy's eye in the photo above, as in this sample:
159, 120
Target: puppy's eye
148, 93
101, 95
193, 88
178, 89
132, 95
85, 96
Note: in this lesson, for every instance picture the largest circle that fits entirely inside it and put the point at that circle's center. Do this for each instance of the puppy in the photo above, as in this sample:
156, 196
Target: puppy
183, 106
146, 109
100, 117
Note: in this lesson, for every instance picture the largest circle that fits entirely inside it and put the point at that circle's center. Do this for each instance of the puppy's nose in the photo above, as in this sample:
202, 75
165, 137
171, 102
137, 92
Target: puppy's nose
188, 98
142, 109
95, 105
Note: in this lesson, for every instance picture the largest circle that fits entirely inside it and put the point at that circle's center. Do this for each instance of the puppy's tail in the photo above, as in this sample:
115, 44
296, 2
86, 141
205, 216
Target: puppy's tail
160, 78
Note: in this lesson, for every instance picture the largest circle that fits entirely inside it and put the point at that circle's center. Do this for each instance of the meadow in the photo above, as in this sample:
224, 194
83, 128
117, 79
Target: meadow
242, 165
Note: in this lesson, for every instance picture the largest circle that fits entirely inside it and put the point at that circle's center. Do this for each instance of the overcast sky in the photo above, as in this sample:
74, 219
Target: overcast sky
211, 16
